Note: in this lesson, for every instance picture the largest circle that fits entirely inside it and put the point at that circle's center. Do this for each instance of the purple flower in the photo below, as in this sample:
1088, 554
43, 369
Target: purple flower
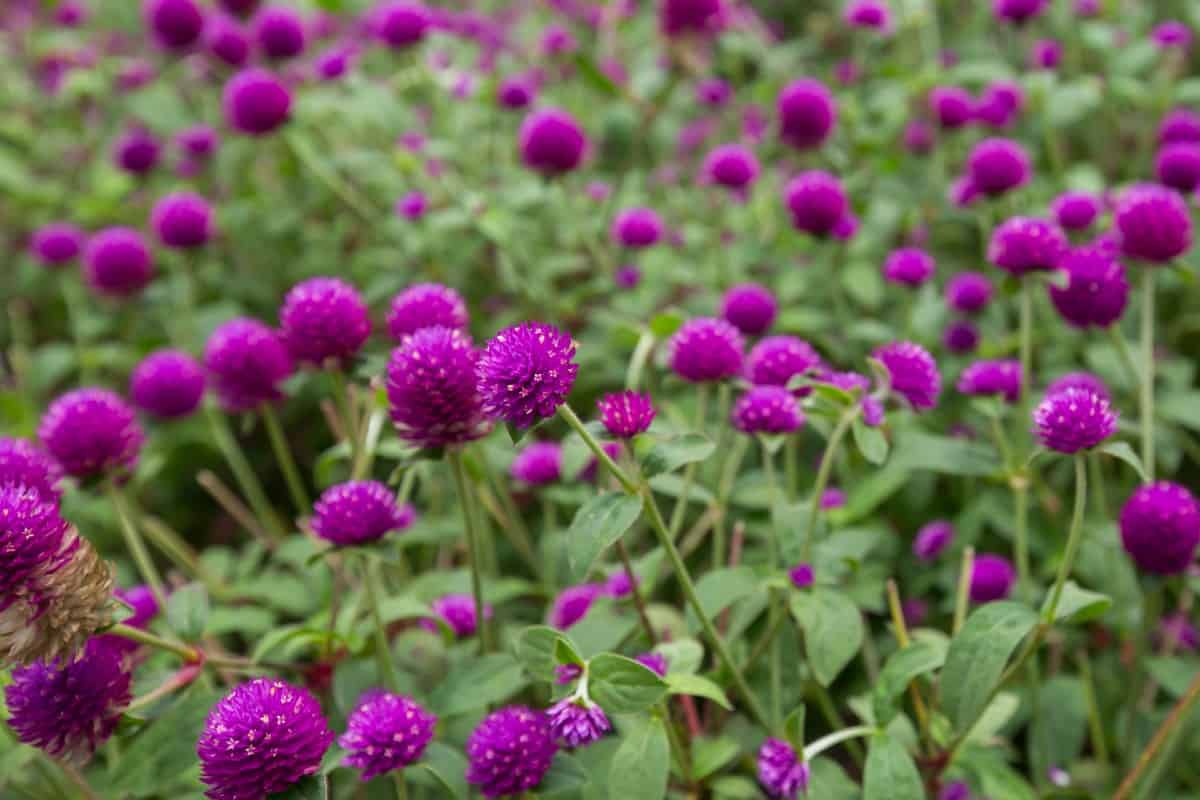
145, 608
565, 674
323, 319
538, 464
626, 414
525, 373
117, 262
1000, 104
1096, 292
1178, 166
261, 738
175, 24
182, 220
1079, 380
1176, 630
1074, 420
56, 243
655, 662
1179, 125
817, 202
136, 151
69, 707
780, 771
412, 205
510, 751
767, 409
198, 141
256, 102
425, 305
22, 463
992, 578
431, 388
167, 383
914, 373
802, 576
557, 40
960, 336
682, 17
732, 166
968, 292
1172, 33
573, 604
32, 537
335, 62
714, 92
915, 611
706, 349
1017, 11
279, 31
1160, 528
1076, 211
551, 141
871, 14
909, 266
956, 790
516, 92
992, 378
357, 512
627, 276
386, 732
951, 106
1021, 245
1046, 54
775, 360
832, 498
620, 584
749, 307
933, 539
458, 611
227, 40
577, 722
90, 431
247, 361
1154, 223
807, 113
918, 137
400, 24
637, 227
996, 166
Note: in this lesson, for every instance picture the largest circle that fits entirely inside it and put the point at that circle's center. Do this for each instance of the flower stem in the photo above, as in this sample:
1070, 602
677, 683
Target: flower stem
1177, 716
383, 651
963, 595
897, 611
135, 544
1026, 335
689, 472
469, 520
823, 472
1147, 393
577, 425
825, 742
676, 744
1073, 537
365, 457
243, 472
1021, 535
176, 548
180, 679
1122, 348
341, 396
635, 591
287, 462
399, 783
775, 662
189, 654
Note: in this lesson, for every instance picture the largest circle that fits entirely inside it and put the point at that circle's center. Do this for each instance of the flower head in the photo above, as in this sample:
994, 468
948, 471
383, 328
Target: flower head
1154, 223
89, 431
655, 662
577, 722
1000, 104
706, 349
933, 539
1096, 292
960, 336
400, 24
871, 14
56, 243
510, 751
526, 372
767, 409
322, 319
32, 532
637, 227
1179, 125
256, 102
357, 512
247, 361
775, 360
992, 578
817, 202
423, 306
182, 220
516, 92
1017, 11
175, 24
914, 373
731, 165
538, 464
918, 137
1002, 377
386, 732
1021, 245
335, 62
551, 141
749, 307
626, 414
968, 292
780, 771
807, 113
137, 151
1172, 34
953, 107
226, 38
802, 576
279, 31
1178, 166
431, 388
117, 262
1073, 420
458, 611
1079, 380
168, 384
22, 463
1160, 528
1076, 211
995, 166
573, 604
909, 266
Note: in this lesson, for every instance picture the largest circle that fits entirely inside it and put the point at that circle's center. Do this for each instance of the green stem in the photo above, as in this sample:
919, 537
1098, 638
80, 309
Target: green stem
176, 548
830, 712
1095, 720
724, 488
400, 785
1177, 716
341, 397
962, 597
365, 457
189, 654
604, 458
676, 744
1027, 287
635, 591
135, 544
1126, 357
1021, 538
776, 665
1073, 537
469, 520
763, 642
689, 472
243, 472
326, 175
1147, 393
383, 651
287, 462
75, 301
823, 472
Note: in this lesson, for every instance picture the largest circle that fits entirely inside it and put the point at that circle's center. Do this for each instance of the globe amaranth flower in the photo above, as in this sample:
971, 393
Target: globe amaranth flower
458, 612
168, 384
551, 141
1160, 528
260, 738
1179, 125
749, 307
577, 722
335, 62
951, 106
175, 24
357, 512
775, 360
780, 770
1046, 54
323, 319
117, 262
227, 40
706, 349
1079, 380
802, 576
992, 578
807, 113
136, 151
1002, 377
399, 24
620, 584
510, 751
1177, 631
516, 92
1000, 104
1178, 166
1076, 211
246, 361
68, 707
425, 305
691, 17
627, 276
90, 431
538, 464
933, 539
870, 14
857, 385
1172, 34
22, 463
626, 414
431, 388
996, 166
960, 336
918, 137
655, 662
386, 732
1021, 245
955, 790
909, 266
732, 166
1096, 292
1153, 223
767, 409
197, 141
637, 228
817, 202
1017, 11
573, 603
525, 373
914, 373
256, 102
56, 243
1073, 420
968, 292
714, 92
182, 220
279, 32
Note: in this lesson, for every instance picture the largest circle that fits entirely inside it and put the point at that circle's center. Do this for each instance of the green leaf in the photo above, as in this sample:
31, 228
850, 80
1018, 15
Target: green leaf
565, 653
1174, 673
833, 630
187, 611
710, 755
448, 767
535, 651
594, 76
735, 787
828, 781
674, 453
870, 442
666, 323
1060, 725
977, 657
565, 777
477, 683
642, 763
1124, 452
1078, 604
683, 655
793, 728
165, 749
890, 773
919, 658
722, 588
946, 454
598, 524
310, 787
698, 686
623, 686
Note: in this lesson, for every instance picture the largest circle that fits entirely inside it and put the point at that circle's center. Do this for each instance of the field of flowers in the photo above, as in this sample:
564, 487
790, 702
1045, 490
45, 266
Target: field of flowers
599, 399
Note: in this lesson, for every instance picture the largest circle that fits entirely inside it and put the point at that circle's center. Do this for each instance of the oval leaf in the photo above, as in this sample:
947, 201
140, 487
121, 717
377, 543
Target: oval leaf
623, 686
919, 658
698, 686
890, 773
833, 630
598, 525
642, 763
977, 658
672, 454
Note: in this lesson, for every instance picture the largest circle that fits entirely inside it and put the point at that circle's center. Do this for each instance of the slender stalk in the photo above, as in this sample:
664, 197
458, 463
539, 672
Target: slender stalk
897, 611
963, 595
1073, 536
233, 505
1177, 716
724, 488
75, 301
825, 742
76, 777
1026, 345
1122, 348
627, 483
835, 720
776, 665
763, 642
1095, 720
1147, 393
135, 544
243, 472
176, 548
676, 744
341, 397
365, 457
383, 651
189, 654
689, 472
636, 592
469, 524
183, 677
400, 785
287, 462
823, 472
1021, 537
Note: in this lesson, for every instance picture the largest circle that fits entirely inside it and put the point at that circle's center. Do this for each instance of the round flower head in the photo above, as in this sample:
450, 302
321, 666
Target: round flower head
932, 539
1000, 104
1021, 245
458, 611
731, 165
22, 463
573, 604
767, 409
1160, 528
1179, 125
90, 431
1096, 292
279, 32
775, 360
357, 512
175, 24
577, 723
997, 165
1171, 34
538, 464
117, 262
1046, 54
1079, 380
992, 578
871, 14
247, 361
510, 751
182, 220
1154, 224
627, 276
1178, 166
802, 576
914, 373
968, 292
525, 373
226, 39
551, 141
386, 732
424, 306
557, 41
412, 205
1076, 211
909, 266
69, 707
32, 532
918, 137
992, 378
198, 141
706, 349
655, 662
261, 738
241, 8
637, 227
714, 92
780, 771
1074, 420
963, 191
960, 336
335, 62
684, 17
516, 92
955, 790
749, 307
1176, 630
807, 113
322, 319
400, 24
1017, 11
431, 388
626, 414
56, 244
256, 102
620, 584
136, 151
817, 202
951, 106
167, 384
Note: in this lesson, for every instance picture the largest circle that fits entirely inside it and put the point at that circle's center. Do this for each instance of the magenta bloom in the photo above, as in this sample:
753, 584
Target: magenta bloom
539, 464
968, 292
573, 604
1018, 11
626, 414
992, 578
1079, 380
951, 106
551, 141
802, 576
91, 431
1179, 125
357, 512
1160, 528
714, 92
960, 336
933, 539
749, 307
577, 723
56, 243
1074, 420
732, 166
32, 538
914, 373
168, 384
256, 102
175, 24
655, 662
198, 141
68, 708
279, 32
334, 62
431, 387
992, 378
182, 220
1177, 631
1046, 54
1178, 166
1096, 292
247, 361
767, 409
526, 372
386, 732
323, 319
412, 205
24, 464
1172, 34
1076, 211
458, 611
683, 17
1021, 245
637, 227
996, 166
425, 305
400, 24
145, 609
870, 14
817, 202
261, 738
1154, 224
706, 349
516, 92
807, 113
780, 771
117, 262
227, 40
510, 751
909, 266
137, 151
918, 137
627, 276
775, 360
619, 584
1000, 104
